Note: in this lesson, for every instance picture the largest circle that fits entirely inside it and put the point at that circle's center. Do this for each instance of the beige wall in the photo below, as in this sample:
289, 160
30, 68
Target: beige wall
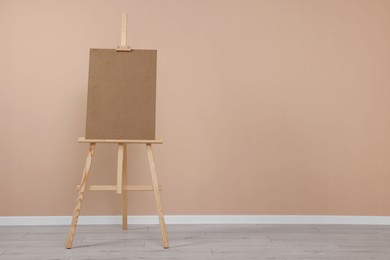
265, 107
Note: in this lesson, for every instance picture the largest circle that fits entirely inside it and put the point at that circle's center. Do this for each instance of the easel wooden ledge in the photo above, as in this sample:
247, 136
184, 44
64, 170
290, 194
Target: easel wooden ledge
121, 186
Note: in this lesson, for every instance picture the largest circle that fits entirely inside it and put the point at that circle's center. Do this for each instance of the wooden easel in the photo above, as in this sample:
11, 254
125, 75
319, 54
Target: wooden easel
121, 186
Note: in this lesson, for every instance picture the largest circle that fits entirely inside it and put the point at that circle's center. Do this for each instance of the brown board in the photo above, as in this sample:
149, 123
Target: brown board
121, 95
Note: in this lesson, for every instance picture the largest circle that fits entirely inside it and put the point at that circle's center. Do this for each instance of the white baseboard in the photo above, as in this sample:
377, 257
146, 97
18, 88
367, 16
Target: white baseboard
199, 219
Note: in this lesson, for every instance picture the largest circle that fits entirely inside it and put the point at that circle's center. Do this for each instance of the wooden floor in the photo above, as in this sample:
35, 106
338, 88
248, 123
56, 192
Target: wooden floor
285, 242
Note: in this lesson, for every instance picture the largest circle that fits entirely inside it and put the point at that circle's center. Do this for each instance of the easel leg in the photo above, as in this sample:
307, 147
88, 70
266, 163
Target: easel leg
124, 192
80, 197
157, 196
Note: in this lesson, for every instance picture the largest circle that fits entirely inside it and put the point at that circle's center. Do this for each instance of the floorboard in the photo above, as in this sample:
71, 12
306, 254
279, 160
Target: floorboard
272, 242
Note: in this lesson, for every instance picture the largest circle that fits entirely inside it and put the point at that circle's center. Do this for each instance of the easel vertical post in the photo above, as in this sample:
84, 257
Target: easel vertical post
123, 46
119, 174
124, 30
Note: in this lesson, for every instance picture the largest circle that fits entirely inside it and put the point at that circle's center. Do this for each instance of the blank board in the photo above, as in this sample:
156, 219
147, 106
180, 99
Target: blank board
121, 95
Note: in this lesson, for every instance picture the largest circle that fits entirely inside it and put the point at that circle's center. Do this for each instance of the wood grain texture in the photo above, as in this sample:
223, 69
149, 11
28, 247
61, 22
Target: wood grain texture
214, 242
80, 197
157, 198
